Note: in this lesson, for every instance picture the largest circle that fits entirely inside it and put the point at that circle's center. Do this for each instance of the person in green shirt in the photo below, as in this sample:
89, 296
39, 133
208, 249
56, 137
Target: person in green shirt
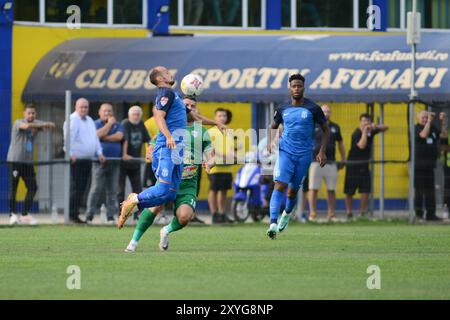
198, 149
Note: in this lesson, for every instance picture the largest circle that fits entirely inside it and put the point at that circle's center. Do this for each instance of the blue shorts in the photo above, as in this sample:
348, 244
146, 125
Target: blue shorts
167, 164
291, 169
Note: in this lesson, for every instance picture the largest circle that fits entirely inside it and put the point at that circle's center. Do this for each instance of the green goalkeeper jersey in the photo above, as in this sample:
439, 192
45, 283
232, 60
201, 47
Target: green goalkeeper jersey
197, 142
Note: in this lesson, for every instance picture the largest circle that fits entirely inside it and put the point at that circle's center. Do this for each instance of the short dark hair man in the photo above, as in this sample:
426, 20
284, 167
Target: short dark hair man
299, 119
357, 175
20, 154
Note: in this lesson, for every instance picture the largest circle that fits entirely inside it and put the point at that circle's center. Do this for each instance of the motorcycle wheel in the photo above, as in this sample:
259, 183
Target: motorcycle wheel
257, 214
240, 211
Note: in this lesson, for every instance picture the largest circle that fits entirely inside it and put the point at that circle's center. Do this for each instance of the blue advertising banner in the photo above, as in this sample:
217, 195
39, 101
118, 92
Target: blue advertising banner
346, 68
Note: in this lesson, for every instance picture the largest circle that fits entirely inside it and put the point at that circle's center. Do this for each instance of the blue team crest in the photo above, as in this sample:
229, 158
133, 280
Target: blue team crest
164, 101
164, 172
304, 114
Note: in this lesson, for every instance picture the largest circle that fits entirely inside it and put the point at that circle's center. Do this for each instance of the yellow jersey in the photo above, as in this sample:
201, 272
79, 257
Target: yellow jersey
152, 129
223, 144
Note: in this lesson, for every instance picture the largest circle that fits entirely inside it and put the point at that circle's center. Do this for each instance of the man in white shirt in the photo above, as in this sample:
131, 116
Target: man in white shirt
84, 147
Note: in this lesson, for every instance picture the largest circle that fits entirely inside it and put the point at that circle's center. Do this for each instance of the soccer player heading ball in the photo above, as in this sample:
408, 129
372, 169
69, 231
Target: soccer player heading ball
298, 120
198, 145
167, 164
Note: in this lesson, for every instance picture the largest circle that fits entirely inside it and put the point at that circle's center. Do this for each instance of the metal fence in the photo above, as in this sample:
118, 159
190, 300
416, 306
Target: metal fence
389, 163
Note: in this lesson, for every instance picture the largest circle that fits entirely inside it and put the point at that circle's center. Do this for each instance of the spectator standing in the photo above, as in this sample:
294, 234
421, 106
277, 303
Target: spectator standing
445, 148
357, 175
328, 173
84, 148
135, 136
220, 177
105, 176
426, 153
20, 154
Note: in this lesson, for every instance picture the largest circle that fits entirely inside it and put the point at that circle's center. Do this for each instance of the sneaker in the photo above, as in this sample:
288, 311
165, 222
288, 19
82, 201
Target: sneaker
77, 220
131, 246
217, 218
227, 219
433, 218
312, 219
13, 219
272, 231
28, 219
349, 217
304, 218
332, 219
284, 221
128, 207
195, 219
163, 239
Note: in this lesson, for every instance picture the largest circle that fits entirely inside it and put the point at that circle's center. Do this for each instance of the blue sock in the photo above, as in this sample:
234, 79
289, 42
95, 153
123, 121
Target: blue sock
290, 204
275, 205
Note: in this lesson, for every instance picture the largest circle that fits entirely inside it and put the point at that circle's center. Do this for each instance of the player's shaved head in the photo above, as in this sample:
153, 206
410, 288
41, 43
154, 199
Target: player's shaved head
161, 77
155, 73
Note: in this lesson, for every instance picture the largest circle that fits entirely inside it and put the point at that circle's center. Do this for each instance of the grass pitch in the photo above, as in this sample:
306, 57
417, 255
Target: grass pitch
228, 262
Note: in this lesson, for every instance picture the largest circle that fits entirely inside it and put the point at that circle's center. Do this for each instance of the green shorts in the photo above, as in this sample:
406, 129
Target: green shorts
187, 194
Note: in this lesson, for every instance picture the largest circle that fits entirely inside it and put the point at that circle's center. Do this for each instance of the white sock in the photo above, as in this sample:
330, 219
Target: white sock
134, 242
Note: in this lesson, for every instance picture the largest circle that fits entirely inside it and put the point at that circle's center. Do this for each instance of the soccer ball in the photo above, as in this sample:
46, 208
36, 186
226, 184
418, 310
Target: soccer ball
192, 85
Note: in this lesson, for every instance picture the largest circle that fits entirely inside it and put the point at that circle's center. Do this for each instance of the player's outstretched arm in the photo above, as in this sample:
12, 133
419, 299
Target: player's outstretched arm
160, 119
209, 122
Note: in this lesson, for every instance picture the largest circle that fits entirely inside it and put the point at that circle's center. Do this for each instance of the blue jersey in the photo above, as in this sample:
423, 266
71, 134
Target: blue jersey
111, 149
298, 126
171, 102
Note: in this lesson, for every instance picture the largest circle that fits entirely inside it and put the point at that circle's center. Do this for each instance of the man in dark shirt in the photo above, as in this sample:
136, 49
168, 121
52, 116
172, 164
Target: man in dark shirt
445, 149
135, 135
329, 172
357, 175
426, 153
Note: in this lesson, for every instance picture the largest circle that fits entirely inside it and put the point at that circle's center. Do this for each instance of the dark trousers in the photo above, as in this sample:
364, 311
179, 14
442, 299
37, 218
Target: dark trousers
27, 173
424, 190
134, 174
447, 187
80, 172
